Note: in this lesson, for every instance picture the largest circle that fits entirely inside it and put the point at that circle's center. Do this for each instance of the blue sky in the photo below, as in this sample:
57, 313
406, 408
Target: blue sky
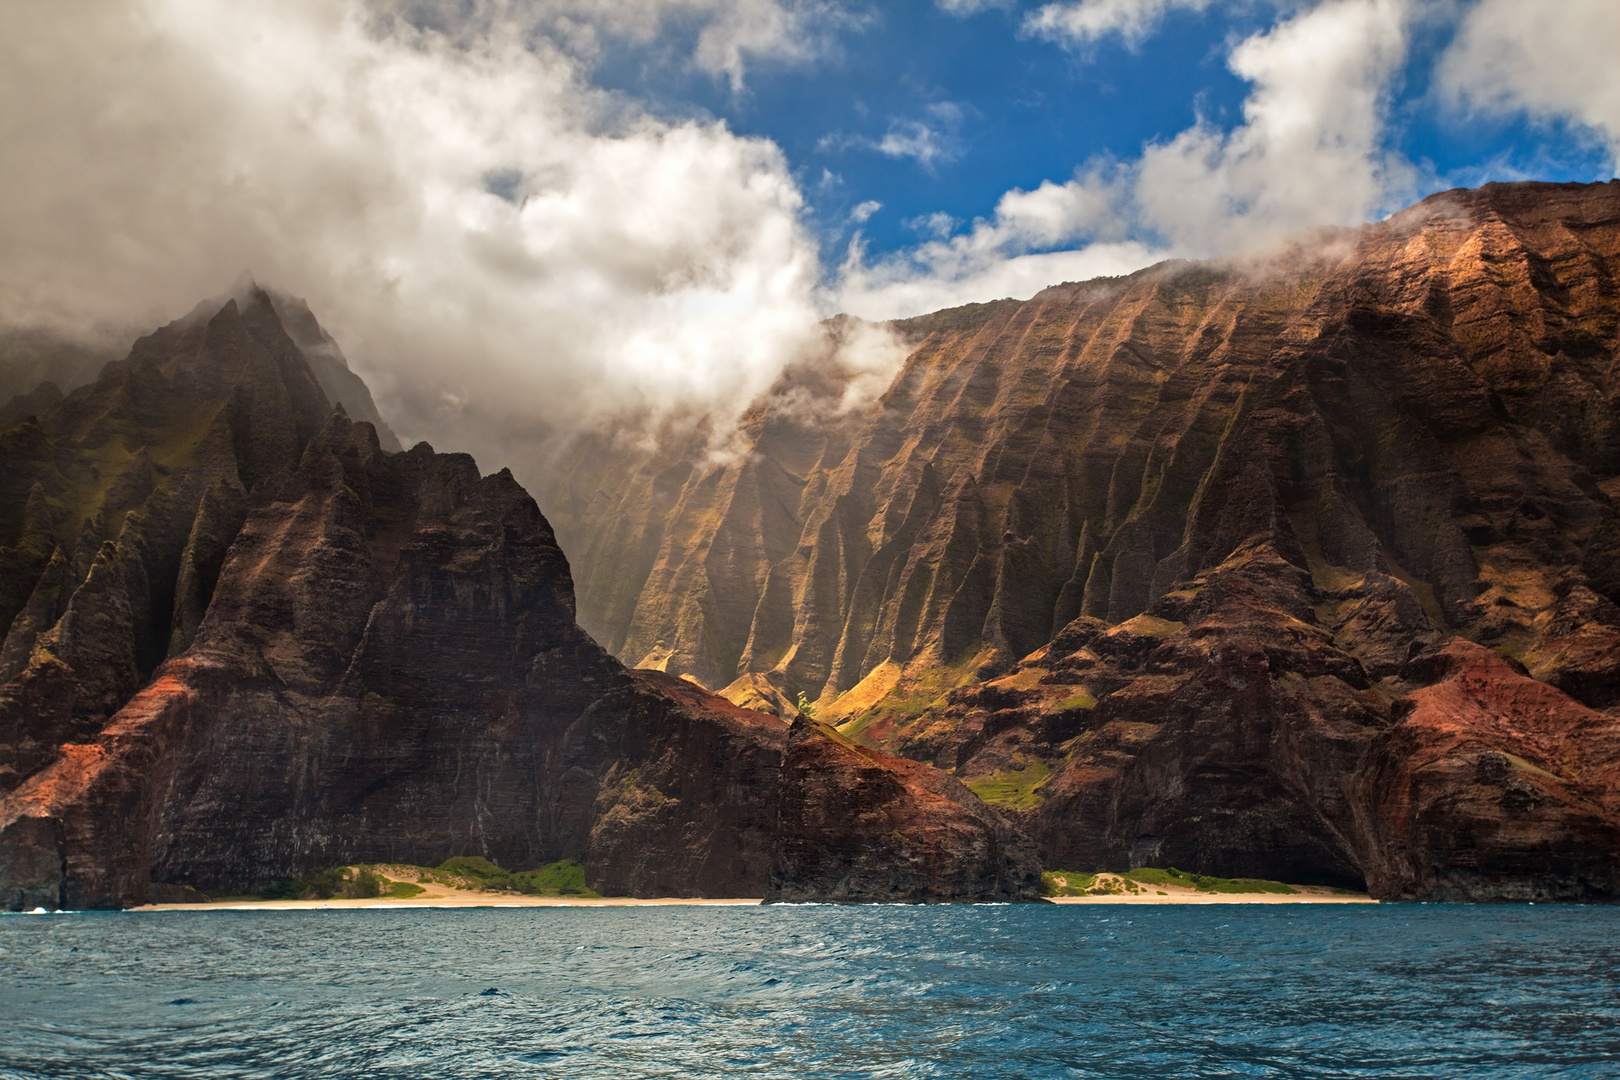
1007, 109
524, 217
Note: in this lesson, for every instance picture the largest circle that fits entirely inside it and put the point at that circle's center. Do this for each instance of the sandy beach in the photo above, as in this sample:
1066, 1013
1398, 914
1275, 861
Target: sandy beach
451, 898
441, 896
474, 900
1304, 894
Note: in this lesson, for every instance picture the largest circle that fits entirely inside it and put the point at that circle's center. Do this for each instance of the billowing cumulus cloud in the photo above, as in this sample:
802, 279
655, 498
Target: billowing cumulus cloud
1309, 152
730, 34
500, 248
506, 251
1548, 60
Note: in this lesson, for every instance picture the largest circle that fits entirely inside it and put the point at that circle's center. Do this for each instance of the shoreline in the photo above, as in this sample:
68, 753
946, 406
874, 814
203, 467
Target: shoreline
1304, 896
466, 898
469, 900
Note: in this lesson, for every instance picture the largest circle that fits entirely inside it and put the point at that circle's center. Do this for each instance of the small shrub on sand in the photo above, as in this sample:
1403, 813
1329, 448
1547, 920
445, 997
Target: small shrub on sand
564, 878
1066, 883
366, 885
477, 870
1072, 883
1207, 883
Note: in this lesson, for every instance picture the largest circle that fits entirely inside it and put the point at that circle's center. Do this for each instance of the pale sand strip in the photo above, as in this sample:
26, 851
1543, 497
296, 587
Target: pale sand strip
438, 894
463, 898
1305, 894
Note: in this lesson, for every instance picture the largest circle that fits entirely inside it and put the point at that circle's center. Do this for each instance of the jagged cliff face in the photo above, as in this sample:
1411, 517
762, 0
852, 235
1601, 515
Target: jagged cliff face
1254, 504
118, 502
372, 656
390, 670
117, 506
1431, 397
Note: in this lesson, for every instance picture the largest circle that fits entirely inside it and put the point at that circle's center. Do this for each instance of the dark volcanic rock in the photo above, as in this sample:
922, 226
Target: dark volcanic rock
390, 671
1493, 786
1156, 562
373, 658
1233, 730
1223, 740
116, 506
859, 826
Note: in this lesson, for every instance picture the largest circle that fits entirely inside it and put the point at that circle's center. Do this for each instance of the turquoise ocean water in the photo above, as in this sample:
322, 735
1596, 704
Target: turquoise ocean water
981, 992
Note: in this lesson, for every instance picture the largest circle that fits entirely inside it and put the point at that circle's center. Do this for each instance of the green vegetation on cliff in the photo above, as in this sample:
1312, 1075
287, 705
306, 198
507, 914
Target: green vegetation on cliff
563, 878
1014, 788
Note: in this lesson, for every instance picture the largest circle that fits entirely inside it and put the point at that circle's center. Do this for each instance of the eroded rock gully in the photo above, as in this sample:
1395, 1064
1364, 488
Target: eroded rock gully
370, 657
1178, 567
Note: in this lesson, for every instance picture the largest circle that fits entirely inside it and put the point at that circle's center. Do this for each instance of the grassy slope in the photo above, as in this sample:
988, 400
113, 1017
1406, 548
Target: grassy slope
1072, 883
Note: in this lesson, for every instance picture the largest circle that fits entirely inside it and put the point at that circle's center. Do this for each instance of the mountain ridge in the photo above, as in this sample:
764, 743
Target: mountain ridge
276, 646
1239, 506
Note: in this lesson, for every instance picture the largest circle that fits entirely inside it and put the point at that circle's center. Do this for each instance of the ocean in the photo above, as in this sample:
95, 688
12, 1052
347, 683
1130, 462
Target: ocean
982, 992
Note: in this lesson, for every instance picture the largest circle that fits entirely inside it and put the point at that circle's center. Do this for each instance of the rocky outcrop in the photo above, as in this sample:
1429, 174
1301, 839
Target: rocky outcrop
859, 826
1223, 729
389, 670
1430, 398
117, 505
1493, 786
1238, 728
1162, 565
372, 658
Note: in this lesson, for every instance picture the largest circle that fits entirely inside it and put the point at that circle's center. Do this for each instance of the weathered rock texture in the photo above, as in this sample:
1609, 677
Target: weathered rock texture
1252, 502
390, 671
117, 505
1432, 397
860, 826
373, 657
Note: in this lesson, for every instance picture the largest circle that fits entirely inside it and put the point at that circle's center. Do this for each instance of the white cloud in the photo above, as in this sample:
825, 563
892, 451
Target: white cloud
730, 33
1310, 152
895, 289
864, 211
914, 139
998, 257
1079, 23
926, 141
970, 7
938, 225
1548, 60
497, 246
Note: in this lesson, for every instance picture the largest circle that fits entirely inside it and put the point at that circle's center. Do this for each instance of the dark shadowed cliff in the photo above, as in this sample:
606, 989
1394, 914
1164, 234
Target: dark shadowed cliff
370, 656
1254, 503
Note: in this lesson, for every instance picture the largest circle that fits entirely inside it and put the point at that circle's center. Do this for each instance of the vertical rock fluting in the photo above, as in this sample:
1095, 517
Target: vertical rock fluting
1163, 565
1431, 397
117, 506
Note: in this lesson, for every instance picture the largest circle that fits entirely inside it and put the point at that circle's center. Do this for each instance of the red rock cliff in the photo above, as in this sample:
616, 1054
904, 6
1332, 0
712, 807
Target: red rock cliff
1163, 564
